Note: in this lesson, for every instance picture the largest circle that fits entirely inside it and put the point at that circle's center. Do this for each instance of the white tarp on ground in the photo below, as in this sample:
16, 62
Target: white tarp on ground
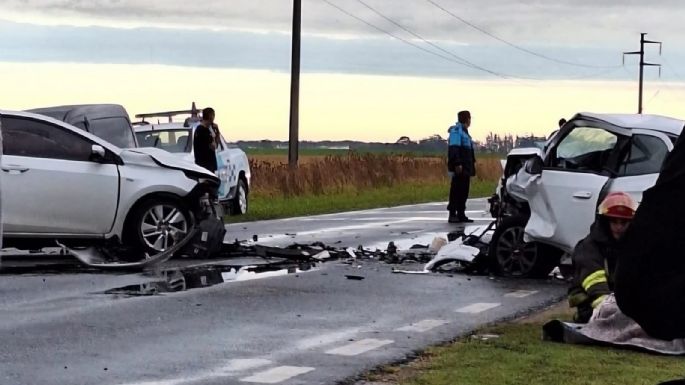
609, 326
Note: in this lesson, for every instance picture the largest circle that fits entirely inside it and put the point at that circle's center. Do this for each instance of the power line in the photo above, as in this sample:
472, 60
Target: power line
515, 46
473, 65
668, 64
376, 11
459, 60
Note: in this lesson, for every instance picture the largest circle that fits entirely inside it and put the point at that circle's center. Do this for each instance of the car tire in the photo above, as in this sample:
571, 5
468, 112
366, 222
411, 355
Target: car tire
156, 224
510, 256
239, 204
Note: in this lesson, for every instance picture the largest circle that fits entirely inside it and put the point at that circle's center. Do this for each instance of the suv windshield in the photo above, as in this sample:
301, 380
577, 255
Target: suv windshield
168, 140
115, 130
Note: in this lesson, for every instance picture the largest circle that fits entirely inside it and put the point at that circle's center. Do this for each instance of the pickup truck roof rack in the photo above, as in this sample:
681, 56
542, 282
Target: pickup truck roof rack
194, 112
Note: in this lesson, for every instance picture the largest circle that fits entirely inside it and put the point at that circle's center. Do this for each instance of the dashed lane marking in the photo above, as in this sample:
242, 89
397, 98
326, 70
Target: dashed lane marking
423, 326
359, 347
520, 293
278, 374
478, 307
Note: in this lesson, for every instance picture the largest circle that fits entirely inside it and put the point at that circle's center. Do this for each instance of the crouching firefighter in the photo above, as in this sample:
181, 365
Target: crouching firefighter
594, 258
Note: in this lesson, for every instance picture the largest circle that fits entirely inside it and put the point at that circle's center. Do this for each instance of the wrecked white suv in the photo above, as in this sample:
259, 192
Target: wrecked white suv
548, 205
233, 167
61, 183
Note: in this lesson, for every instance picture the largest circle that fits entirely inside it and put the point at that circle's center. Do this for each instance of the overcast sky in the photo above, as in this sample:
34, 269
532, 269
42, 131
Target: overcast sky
578, 38
372, 69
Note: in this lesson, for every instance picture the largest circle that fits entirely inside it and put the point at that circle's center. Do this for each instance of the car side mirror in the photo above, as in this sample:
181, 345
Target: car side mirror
98, 153
534, 165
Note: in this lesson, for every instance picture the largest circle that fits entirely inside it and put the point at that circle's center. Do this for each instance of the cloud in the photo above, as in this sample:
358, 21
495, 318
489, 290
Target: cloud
571, 22
255, 34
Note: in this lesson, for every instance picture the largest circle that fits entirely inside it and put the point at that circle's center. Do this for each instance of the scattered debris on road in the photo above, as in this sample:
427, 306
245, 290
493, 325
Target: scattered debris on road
354, 277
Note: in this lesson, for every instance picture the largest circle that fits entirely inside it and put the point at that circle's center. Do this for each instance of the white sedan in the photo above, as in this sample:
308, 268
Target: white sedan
62, 183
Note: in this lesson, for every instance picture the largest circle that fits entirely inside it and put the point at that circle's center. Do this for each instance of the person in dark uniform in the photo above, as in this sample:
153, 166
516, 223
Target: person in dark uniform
205, 141
461, 164
595, 257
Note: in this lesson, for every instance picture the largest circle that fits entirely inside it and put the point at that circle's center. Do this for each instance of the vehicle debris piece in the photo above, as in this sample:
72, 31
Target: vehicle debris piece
399, 271
101, 259
354, 277
322, 256
468, 253
437, 244
351, 252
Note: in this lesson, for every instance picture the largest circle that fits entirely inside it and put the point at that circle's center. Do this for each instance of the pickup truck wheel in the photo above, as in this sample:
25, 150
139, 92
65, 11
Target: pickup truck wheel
511, 256
239, 203
157, 224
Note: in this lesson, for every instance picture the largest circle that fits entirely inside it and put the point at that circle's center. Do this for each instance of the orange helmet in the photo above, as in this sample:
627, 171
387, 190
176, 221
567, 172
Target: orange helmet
618, 205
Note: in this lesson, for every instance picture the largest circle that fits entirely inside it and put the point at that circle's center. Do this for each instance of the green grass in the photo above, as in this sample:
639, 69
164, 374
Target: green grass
520, 357
272, 208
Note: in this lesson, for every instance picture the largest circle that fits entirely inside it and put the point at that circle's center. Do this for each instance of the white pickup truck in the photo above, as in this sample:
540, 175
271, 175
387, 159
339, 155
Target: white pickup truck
177, 138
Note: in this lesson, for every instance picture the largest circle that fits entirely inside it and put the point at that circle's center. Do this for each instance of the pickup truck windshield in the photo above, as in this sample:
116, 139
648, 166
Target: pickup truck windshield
168, 140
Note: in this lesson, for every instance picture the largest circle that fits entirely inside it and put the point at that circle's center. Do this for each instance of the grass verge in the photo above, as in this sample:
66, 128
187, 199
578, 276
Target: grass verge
262, 207
519, 356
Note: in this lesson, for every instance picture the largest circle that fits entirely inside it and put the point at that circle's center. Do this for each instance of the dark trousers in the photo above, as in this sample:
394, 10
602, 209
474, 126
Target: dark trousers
459, 193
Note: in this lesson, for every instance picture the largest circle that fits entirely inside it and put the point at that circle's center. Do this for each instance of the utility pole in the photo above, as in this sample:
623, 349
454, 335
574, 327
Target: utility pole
293, 139
641, 52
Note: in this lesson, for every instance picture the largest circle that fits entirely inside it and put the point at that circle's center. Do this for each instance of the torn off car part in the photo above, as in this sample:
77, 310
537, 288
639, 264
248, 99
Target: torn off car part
468, 254
100, 258
354, 277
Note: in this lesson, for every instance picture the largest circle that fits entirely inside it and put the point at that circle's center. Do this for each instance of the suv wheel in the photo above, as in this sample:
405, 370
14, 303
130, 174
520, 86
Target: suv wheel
511, 256
239, 204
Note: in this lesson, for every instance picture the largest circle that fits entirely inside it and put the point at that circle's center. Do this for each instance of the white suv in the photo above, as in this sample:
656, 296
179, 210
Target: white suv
550, 203
62, 183
233, 167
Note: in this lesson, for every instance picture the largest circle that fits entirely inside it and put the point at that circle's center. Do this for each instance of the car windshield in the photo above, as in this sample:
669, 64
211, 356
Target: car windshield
175, 140
115, 130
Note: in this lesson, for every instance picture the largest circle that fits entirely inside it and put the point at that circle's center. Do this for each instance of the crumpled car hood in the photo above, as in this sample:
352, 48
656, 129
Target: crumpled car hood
166, 159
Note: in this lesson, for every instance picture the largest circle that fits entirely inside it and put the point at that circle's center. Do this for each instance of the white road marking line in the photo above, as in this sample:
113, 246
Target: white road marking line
232, 367
478, 307
278, 374
423, 326
242, 364
326, 339
359, 347
520, 293
361, 226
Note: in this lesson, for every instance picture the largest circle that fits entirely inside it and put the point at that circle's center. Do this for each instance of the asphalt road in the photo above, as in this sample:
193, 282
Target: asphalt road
288, 327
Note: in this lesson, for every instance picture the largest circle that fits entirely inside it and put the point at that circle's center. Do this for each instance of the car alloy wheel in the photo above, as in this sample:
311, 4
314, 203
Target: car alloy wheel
162, 225
514, 256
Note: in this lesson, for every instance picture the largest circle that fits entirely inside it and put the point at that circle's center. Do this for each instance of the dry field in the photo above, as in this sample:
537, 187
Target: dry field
320, 175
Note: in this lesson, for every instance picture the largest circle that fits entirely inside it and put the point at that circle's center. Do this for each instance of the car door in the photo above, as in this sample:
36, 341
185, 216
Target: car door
226, 169
50, 185
639, 167
564, 197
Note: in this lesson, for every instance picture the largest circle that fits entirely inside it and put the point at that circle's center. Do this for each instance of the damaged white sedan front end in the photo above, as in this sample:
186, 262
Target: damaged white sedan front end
64, 184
